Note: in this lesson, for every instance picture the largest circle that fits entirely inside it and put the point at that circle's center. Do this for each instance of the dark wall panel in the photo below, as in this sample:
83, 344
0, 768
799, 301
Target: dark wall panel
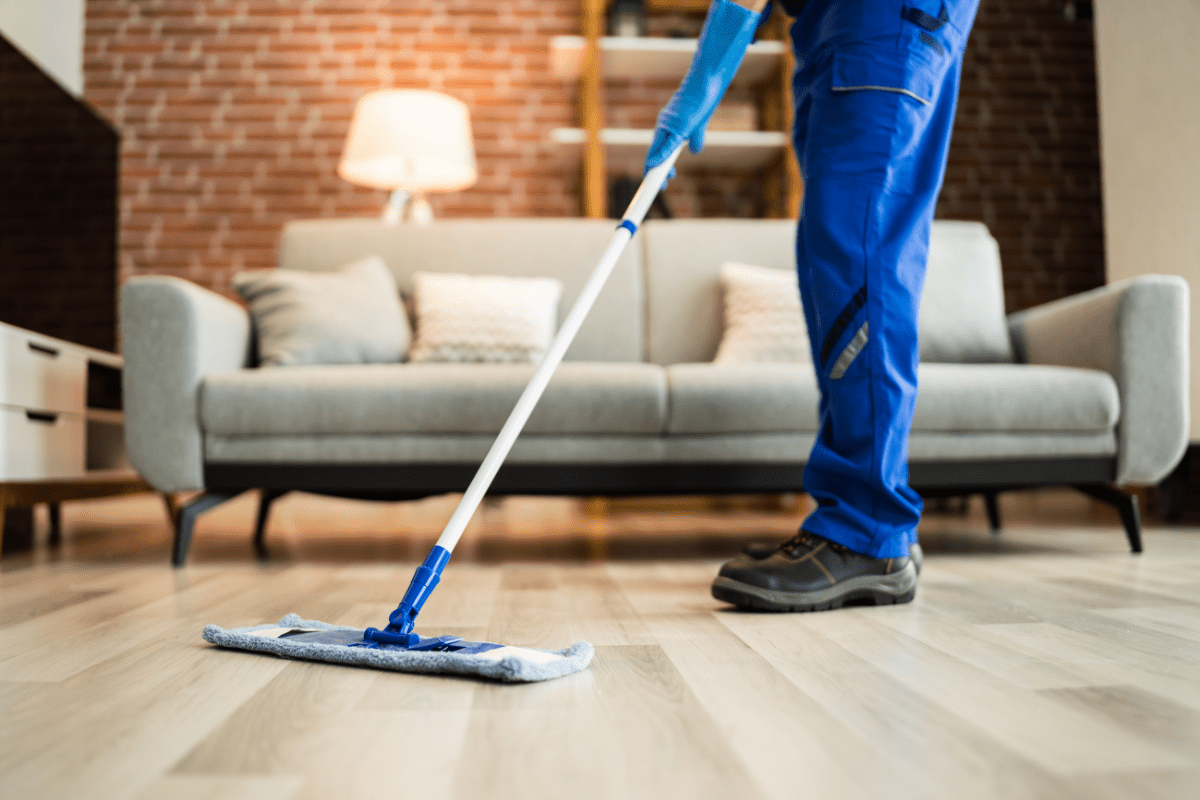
59, 174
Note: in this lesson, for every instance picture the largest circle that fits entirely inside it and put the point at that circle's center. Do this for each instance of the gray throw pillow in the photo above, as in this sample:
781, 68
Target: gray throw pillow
348, 316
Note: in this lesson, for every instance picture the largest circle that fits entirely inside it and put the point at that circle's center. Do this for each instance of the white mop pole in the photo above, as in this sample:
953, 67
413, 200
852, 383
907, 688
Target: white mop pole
636, 212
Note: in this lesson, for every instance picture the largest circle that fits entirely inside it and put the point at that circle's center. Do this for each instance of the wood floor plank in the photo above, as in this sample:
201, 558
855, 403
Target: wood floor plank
1045, 663
930, 750
528, 610
597, 610
1063, 741
82, 617
1174, 784
279, 728
242, 787
70, 654
151, 706
1174, 675
639, 732
370, 754
1180, 622
780, 733
1156, 719
932, 624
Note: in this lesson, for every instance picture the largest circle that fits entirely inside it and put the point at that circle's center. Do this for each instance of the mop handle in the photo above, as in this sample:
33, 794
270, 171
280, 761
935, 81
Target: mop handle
428, 575
634, 215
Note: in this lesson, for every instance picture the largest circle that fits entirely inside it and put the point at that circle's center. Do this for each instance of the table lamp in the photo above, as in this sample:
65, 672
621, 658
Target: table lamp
409, 142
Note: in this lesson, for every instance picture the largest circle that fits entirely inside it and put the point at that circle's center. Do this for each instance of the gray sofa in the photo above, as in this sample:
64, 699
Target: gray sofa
1089, 391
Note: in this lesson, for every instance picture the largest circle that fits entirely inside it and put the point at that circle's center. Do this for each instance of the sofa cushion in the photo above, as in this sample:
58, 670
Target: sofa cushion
968, 398
562, 248
763, 319
483, 318
979, 398
742, 398
588, 398
347, 316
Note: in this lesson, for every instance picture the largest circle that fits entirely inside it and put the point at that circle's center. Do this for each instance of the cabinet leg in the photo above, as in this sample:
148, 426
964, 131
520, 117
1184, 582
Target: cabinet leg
55, 523
18, 529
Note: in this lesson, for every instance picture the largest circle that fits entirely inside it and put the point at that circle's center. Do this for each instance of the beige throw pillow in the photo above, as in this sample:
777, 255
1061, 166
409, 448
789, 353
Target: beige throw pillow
763, 320
348, 316
483, 318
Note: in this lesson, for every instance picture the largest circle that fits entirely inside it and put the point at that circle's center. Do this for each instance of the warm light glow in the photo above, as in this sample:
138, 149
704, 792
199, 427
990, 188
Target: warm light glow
412, 140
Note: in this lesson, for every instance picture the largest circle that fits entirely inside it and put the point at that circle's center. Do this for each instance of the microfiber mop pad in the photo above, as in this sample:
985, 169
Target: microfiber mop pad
309, 640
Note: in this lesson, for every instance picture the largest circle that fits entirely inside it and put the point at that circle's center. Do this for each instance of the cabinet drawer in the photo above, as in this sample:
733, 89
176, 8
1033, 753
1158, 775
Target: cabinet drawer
38, 373
36, 445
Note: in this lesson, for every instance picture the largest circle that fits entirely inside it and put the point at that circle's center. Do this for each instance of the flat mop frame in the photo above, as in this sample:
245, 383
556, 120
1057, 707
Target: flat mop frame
400, 624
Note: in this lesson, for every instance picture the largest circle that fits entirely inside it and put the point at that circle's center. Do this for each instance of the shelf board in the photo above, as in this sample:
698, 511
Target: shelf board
649, 57
625, 148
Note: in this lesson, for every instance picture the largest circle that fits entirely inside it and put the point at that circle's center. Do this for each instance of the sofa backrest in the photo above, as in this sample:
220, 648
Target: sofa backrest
683, 260
566, 249
962, 309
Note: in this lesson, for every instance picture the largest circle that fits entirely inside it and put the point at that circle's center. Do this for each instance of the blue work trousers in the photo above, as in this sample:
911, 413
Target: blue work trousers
875, 87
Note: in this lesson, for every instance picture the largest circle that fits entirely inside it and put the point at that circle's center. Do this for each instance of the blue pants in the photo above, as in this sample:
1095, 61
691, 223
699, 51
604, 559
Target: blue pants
875, 89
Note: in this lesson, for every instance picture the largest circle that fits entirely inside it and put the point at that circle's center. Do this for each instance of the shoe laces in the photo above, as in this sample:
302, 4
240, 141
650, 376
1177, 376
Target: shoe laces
806, 542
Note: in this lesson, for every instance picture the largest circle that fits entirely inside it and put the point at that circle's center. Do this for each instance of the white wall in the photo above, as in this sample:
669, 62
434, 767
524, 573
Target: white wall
1148, 71
51, 33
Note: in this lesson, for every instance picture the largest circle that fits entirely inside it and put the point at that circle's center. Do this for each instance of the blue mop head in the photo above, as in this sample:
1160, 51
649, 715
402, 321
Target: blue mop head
309, 640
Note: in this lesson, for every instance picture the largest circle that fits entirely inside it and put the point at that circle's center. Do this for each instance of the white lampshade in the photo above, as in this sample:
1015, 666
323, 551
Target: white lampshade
411, 140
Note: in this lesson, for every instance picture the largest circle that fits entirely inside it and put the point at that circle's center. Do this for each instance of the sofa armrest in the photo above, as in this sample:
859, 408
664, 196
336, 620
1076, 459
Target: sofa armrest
1137, 331
173, 333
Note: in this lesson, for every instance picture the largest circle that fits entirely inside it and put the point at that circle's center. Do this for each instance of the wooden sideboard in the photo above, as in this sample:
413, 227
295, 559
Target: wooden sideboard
62, 434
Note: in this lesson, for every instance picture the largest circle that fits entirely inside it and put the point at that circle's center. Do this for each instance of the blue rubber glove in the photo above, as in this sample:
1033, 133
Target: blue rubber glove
727, 33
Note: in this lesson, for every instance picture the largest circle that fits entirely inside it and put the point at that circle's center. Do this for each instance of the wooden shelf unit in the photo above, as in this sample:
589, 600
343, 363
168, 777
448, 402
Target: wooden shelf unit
592, 58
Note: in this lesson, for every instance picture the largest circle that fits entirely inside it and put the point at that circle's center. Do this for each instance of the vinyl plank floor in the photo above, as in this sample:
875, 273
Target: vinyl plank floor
1040, 664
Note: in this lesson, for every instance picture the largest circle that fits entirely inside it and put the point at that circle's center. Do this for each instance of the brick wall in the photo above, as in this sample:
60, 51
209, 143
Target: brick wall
1025, 157
234, 112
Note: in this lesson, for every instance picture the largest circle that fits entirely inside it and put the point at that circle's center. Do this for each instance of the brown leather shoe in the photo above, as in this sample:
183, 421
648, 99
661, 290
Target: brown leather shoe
811, 573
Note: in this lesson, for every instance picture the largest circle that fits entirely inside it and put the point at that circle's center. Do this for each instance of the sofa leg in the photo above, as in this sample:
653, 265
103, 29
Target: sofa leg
185, 520
260, 523
1126, 505
990, 501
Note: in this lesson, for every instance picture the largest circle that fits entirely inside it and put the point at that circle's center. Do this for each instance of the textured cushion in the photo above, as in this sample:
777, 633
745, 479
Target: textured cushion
591, 398
742, 398
763, 320
962, 306
563, 248
1014, 398
349, 316
483, 318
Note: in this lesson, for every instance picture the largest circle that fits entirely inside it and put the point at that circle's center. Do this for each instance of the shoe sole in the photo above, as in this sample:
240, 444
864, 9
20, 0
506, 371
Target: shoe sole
881, 590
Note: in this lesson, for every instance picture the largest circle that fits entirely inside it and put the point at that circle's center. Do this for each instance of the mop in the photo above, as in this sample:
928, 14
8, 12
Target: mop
396, 647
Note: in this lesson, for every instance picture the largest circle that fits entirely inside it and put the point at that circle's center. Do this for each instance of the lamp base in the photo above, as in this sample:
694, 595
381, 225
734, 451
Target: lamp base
408, 206
419, 210
393, 212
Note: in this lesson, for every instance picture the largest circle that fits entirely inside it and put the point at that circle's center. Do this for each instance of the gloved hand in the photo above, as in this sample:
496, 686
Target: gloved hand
727, 33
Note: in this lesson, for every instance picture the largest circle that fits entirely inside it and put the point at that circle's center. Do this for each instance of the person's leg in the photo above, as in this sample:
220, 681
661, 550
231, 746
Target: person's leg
873, 160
